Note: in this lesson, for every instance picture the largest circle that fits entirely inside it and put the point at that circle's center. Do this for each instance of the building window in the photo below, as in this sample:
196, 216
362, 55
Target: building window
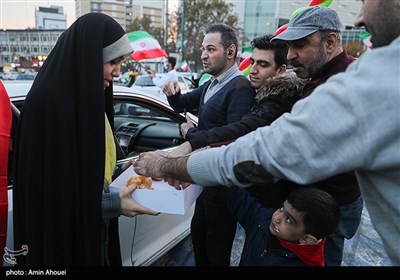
95, 6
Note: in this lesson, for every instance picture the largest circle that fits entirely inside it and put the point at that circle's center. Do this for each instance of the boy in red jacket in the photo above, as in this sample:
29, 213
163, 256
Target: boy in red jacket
293, 235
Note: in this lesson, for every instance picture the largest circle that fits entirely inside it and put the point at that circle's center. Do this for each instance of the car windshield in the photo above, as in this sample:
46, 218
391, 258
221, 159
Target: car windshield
144, 81
25, 77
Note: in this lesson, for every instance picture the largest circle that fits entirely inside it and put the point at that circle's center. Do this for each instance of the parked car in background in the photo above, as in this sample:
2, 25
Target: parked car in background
10, 75
142, 123
122, 79
29, 77
145, 83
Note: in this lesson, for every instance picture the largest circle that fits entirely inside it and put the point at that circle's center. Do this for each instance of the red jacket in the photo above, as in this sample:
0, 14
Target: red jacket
5, 128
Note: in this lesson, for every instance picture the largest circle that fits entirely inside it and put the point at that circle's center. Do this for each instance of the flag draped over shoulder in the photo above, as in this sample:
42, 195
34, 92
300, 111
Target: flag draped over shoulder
184, 66
144, 45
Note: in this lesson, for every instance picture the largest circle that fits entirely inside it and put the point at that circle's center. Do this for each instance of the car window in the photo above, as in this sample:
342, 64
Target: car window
129, 109
25, 77
144, 81
188, 82
141, 127
182, 84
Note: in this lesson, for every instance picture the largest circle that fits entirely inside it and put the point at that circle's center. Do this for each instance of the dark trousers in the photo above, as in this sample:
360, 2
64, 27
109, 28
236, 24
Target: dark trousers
350, 219
213, 228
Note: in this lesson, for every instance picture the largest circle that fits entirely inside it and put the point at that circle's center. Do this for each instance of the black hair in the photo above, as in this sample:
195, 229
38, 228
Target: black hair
228, 35
280, 48
320, 211
172, 60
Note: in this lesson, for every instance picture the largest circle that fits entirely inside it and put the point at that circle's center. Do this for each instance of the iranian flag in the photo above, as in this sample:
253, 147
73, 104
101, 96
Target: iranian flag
184, 66
145, 46
246, 52
245, 65
366, 39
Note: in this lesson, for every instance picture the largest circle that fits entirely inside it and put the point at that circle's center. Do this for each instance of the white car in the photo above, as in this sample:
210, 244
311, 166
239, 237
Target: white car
145, 83
11, 75
144, 238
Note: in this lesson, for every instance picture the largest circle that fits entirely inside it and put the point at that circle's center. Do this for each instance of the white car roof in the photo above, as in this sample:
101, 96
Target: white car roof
17, 88
22, 87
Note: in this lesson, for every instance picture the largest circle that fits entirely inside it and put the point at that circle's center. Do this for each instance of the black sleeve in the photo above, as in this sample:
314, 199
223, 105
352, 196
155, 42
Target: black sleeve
268, 110
245, 208
188, 101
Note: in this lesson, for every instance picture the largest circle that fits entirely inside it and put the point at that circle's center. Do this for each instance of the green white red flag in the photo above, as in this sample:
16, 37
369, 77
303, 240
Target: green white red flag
366, 38
184, 66
245, 66
145, 46
246, 52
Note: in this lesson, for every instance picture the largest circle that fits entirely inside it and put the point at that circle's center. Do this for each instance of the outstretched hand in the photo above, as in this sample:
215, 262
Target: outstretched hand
171, 88
149, 164
131, 208
152, 164
177, 184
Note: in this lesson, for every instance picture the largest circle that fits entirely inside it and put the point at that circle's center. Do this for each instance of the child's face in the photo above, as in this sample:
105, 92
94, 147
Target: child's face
287, 223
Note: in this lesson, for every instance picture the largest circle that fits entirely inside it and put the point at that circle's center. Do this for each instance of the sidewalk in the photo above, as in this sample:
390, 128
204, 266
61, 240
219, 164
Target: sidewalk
364, 249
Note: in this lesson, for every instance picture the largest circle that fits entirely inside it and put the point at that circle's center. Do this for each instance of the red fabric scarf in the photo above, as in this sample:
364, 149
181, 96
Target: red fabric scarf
312, 255
5, 128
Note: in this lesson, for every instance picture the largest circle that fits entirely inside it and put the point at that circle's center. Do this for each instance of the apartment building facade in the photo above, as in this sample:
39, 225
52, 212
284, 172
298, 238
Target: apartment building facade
124, 11
26, 48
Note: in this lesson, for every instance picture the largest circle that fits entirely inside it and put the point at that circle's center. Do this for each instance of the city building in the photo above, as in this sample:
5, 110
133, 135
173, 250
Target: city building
155, 10
29, 48
26, 48
124, 11
117, 9
52, 17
